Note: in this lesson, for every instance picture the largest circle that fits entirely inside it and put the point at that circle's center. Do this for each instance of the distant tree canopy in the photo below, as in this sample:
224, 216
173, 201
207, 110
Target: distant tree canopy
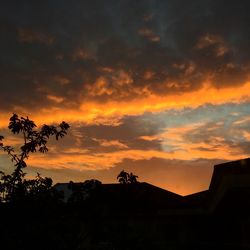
125, 178
14, 186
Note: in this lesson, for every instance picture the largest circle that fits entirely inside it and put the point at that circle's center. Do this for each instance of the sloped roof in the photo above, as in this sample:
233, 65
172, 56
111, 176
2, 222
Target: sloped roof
138, 197
141, 195
199, 199
142, 190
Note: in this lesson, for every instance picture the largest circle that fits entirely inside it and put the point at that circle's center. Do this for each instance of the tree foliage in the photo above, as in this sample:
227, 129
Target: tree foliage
126, 178
14, 185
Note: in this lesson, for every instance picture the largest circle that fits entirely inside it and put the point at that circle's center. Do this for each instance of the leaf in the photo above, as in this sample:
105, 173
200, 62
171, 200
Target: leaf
64, 125
43, 149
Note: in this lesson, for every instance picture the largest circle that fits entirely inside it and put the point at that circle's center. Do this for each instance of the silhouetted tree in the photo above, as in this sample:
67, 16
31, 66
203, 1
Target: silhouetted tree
38, 186
14, 185
125, 178
132, 178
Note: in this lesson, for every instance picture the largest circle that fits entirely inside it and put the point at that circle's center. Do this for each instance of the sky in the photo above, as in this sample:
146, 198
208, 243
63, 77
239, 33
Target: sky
157, 88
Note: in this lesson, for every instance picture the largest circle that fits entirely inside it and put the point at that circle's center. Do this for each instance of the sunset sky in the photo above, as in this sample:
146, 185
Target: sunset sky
159, 88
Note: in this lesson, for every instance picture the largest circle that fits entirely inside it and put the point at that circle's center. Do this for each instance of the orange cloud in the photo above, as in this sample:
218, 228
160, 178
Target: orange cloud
210, 39
149, 34
242, 121
207, 94
30, 36
110, 112
111, 143
79, 159
56, 99
111, 84
82, 54
246, 135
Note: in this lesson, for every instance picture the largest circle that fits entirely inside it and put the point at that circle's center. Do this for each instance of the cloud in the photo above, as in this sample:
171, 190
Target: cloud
191, 48
168, 135
56, 99
149, 34
135, 79
29, 36
111, 143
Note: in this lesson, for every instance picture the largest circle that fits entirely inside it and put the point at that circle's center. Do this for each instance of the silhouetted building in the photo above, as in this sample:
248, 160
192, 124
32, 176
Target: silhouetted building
226, 178
135, 216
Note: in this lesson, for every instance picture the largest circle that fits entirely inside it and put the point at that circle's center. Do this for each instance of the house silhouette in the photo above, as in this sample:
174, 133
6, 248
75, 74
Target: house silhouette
143, 216
228, 178
135, 216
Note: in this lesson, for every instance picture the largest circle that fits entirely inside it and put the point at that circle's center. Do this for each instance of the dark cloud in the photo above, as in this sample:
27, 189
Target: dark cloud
108, 138
58, 55
157, 43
